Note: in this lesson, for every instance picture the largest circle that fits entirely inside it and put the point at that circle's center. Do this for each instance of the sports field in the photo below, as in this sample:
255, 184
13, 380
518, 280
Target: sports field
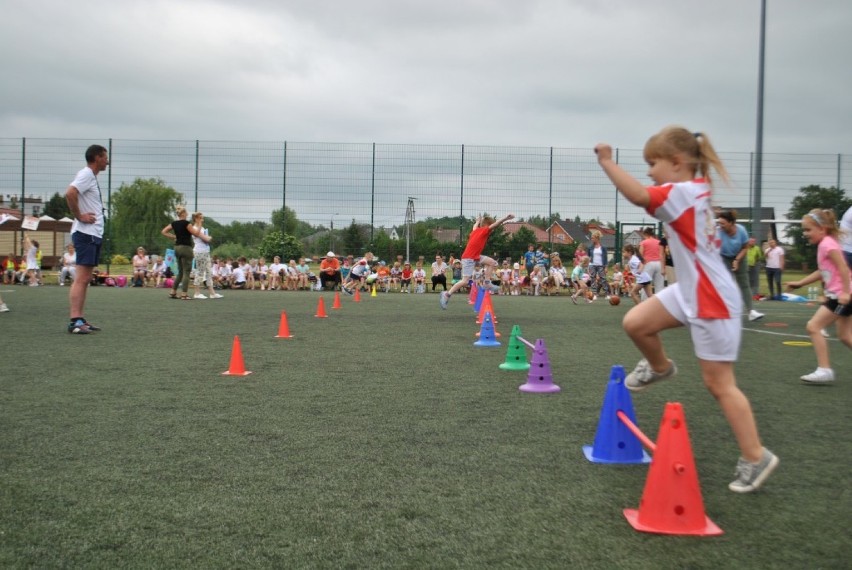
381, 437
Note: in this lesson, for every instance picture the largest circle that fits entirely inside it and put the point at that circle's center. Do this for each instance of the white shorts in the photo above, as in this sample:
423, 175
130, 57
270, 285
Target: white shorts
712, 339
469, 265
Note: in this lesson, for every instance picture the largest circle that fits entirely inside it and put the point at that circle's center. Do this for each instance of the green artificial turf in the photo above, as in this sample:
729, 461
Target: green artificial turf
381, 437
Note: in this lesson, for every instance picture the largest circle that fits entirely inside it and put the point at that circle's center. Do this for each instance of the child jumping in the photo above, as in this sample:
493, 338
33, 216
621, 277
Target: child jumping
473, 253
820, 228
705, 298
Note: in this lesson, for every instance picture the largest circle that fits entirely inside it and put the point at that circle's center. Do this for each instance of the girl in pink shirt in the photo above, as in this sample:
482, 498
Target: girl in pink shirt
820, 227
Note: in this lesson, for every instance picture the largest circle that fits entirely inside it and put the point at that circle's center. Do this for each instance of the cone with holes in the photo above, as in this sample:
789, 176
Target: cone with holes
321, 309
614, 442
516, 354
671, 502
486, 307
540, 378
237, 366
283, 327
486, 333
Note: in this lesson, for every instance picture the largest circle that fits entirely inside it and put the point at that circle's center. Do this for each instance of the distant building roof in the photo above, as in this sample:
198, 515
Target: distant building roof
511, 228
445, 235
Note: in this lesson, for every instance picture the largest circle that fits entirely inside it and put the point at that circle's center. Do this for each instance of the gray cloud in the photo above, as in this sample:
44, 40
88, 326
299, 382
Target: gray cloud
550, 72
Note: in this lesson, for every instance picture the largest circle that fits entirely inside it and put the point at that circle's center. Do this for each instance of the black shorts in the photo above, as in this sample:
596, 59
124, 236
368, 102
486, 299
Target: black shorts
835, 307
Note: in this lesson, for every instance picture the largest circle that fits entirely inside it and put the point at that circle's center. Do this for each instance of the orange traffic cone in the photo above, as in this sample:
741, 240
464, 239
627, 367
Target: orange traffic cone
321, 309
283, 328
486, 307
237, 367
671, 502
336, 304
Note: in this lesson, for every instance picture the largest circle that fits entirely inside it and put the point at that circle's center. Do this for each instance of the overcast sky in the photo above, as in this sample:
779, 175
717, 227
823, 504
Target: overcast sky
565, 73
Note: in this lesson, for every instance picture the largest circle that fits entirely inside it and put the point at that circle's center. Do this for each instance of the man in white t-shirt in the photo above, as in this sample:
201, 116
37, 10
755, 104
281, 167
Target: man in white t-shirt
87, 231
846, 241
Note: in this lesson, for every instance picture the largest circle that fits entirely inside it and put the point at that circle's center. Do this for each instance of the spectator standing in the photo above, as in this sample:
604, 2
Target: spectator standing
846, 235
541, 257
754, 256
181, 231
597, 264
31, 246
84, 200
734, 248
203, 266
669, 270
529, 258
775, 260
651, 254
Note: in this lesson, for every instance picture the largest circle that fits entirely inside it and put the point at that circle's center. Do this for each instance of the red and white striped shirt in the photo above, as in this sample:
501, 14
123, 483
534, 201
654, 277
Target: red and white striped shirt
706, 284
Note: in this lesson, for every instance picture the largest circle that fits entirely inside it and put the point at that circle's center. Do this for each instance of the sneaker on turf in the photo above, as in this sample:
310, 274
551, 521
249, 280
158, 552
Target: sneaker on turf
444, 299
216, 296
347, 291
643, 375
750, 476
92, 327
4, 308
819, 376
574, 298
199, 296
79, 327
754, 315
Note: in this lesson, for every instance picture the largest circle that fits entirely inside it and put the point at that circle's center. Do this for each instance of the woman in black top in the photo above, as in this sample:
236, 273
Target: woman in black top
181, 231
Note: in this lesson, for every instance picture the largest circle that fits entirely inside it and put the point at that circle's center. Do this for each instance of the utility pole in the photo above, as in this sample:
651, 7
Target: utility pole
409, 221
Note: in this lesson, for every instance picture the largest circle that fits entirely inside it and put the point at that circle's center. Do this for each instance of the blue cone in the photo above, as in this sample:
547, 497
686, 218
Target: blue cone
614, 443
480, 295
486, 332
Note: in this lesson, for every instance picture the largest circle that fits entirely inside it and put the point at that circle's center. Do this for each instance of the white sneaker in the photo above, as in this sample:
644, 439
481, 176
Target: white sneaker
819, 376
217, 296
824, 333
643, 376
4, 308
754, 315
199, 296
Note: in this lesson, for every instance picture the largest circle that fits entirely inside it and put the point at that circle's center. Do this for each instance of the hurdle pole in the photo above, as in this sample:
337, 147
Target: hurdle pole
636, 431
526, 342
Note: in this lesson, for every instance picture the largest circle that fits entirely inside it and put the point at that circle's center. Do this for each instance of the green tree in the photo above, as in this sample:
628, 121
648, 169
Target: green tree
519, 241
353, 239
285, 220
544, 222
57, 207
139, 211
811, 197
283, 245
